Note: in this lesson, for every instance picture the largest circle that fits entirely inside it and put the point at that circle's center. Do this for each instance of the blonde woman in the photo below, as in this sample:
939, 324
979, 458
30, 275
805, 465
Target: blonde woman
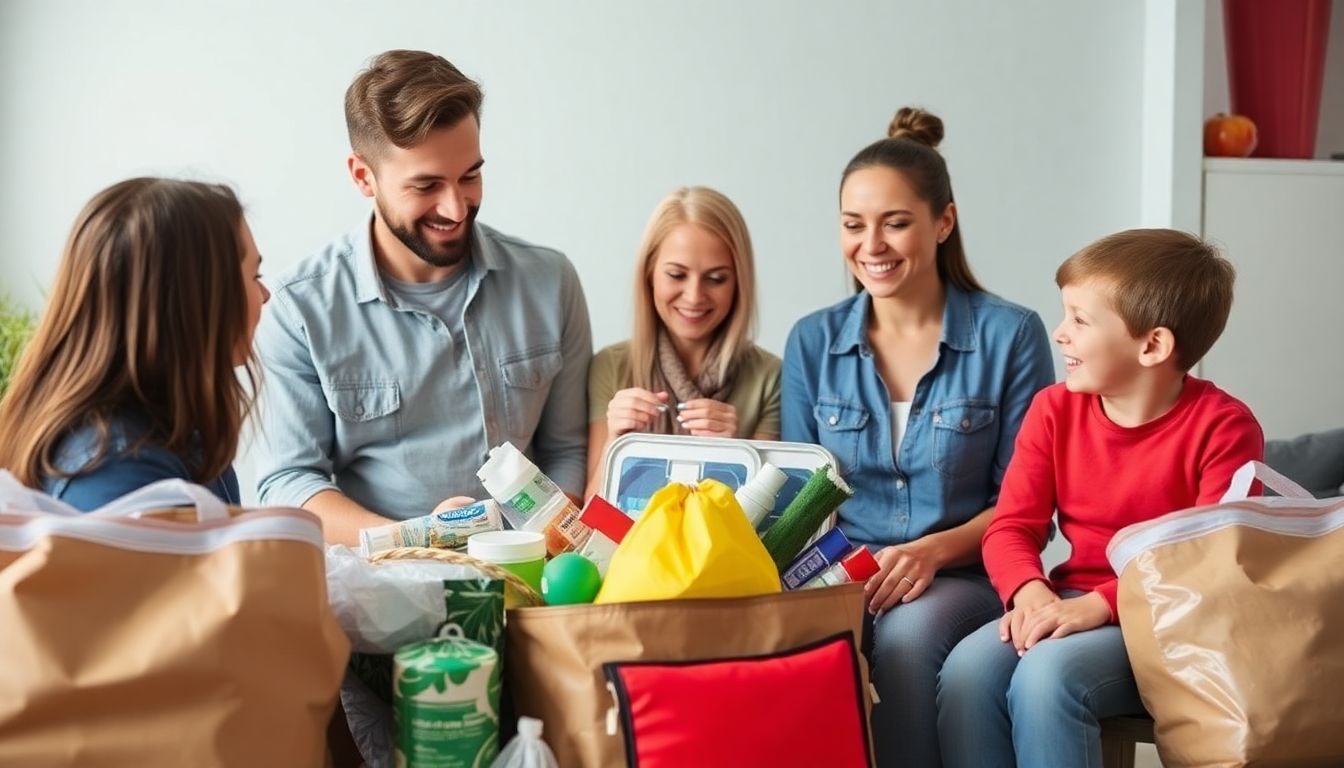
131, 376
691, 367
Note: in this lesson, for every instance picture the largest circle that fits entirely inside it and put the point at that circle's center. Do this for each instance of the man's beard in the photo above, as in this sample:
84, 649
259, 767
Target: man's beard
448, 255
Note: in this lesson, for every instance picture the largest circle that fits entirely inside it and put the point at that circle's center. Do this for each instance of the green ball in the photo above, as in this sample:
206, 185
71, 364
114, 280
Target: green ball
570, 579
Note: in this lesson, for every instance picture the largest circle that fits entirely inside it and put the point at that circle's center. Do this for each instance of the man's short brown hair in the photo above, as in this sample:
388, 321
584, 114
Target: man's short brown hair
402, 96
1160, 278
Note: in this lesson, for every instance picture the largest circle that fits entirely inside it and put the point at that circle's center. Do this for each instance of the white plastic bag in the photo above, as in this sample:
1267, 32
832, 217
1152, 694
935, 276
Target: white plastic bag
385, 606
526, 749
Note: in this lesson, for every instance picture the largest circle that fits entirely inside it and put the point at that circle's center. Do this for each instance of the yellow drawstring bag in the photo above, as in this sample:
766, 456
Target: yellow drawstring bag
690, 542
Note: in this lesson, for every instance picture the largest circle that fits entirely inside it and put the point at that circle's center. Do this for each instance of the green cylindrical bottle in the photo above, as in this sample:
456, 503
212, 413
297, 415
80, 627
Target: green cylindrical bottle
446, 701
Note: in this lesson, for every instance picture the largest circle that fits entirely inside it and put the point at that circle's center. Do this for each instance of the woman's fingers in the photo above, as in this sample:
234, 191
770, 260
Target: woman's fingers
708, 417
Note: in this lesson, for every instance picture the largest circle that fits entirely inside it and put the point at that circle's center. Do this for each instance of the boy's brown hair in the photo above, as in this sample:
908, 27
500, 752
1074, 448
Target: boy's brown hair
1160, 278
402, 96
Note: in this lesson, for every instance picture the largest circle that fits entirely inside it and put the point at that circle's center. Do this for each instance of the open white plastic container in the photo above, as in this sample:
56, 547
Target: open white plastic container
636, 465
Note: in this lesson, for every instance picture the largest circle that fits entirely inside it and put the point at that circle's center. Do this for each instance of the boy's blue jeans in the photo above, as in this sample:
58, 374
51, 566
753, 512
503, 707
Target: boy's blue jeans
1037, 711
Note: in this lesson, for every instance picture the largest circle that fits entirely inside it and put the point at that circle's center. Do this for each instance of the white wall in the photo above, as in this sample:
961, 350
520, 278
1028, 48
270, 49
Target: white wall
1173, 81
593, 111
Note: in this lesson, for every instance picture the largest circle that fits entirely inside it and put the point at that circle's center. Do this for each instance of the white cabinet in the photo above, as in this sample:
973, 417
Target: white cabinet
1281, 222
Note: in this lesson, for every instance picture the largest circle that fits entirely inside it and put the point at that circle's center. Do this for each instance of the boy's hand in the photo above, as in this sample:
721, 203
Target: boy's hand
1027, 601
906, 571
1063, 618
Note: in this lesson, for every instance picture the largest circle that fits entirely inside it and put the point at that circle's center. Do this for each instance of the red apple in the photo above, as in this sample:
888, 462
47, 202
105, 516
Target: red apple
1229, 136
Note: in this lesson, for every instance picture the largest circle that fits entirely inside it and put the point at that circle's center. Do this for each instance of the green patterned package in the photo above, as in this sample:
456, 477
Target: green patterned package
446, 704
476, 606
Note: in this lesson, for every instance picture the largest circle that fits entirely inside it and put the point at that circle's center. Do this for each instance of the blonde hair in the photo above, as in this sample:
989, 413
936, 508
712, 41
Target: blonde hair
712, 210
1160, 278
911, 149
146, 316
402, 96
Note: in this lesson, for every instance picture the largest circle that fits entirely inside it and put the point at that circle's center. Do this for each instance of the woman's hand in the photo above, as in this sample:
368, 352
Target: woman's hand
907, 570
708, 418
633, 410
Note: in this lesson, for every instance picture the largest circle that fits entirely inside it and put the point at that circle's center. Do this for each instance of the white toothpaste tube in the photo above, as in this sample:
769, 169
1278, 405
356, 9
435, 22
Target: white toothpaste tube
448, 529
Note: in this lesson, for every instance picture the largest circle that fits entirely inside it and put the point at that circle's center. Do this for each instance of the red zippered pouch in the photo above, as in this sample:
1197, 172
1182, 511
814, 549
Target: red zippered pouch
802, 706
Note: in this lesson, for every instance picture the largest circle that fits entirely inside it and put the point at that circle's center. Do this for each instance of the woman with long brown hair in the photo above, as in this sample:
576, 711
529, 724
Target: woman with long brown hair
131, 374
918, 384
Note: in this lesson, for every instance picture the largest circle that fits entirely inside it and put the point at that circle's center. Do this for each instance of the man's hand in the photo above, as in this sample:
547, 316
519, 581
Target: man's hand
453, 502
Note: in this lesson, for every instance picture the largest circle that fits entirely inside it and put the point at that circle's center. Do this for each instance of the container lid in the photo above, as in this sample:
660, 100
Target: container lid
860, 564
529, 727
769, 479
444, 655
377, 539
507, 546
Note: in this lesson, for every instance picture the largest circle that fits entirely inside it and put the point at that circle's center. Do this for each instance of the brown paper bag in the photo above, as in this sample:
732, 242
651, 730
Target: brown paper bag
195, 637
554, 656
1231, 617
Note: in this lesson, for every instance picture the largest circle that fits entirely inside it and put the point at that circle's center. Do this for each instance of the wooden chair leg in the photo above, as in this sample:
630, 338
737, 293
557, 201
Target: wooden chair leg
1118, 737
1117, 753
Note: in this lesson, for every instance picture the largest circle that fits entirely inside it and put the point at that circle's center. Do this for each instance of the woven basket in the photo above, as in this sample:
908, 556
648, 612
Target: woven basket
524, 591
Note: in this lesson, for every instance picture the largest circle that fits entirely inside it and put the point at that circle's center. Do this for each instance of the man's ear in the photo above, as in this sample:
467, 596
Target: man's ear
1159, 346
362, 174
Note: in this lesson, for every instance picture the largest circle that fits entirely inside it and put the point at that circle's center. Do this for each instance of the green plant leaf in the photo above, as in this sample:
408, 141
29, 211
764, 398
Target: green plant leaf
16, 327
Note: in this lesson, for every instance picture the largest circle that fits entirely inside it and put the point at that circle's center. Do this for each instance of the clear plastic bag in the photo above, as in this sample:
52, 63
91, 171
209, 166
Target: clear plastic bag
526, 749
385, 606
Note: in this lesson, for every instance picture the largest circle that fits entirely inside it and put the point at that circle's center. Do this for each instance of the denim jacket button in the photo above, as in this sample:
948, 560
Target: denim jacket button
833, 420
965, 423
900, 483
937, 419
359, 409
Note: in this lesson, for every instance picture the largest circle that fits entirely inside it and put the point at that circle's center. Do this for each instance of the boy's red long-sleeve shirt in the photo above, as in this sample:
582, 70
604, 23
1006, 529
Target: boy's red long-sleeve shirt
1102, 477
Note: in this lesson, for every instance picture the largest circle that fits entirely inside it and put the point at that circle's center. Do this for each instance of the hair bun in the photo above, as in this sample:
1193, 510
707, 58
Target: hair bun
914, 124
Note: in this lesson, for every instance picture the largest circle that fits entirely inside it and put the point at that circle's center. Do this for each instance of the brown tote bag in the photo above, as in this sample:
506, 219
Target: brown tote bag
554, 656
1232, 618
197, 637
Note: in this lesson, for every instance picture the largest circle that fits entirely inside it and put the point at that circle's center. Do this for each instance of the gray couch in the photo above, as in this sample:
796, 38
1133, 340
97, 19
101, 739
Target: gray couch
1314, 461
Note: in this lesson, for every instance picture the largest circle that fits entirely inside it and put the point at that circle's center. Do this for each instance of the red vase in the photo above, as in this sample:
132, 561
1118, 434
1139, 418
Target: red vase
1276, 69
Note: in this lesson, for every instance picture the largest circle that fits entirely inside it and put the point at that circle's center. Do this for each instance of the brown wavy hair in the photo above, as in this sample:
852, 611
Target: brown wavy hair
402, 96
1160, 278
146, 317
911, 149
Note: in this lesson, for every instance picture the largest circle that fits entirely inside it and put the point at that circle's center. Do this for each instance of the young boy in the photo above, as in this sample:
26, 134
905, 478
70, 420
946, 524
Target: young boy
1128, 436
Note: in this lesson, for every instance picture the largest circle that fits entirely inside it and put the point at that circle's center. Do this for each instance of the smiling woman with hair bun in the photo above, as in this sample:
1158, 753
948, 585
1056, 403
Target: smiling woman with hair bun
917, 384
